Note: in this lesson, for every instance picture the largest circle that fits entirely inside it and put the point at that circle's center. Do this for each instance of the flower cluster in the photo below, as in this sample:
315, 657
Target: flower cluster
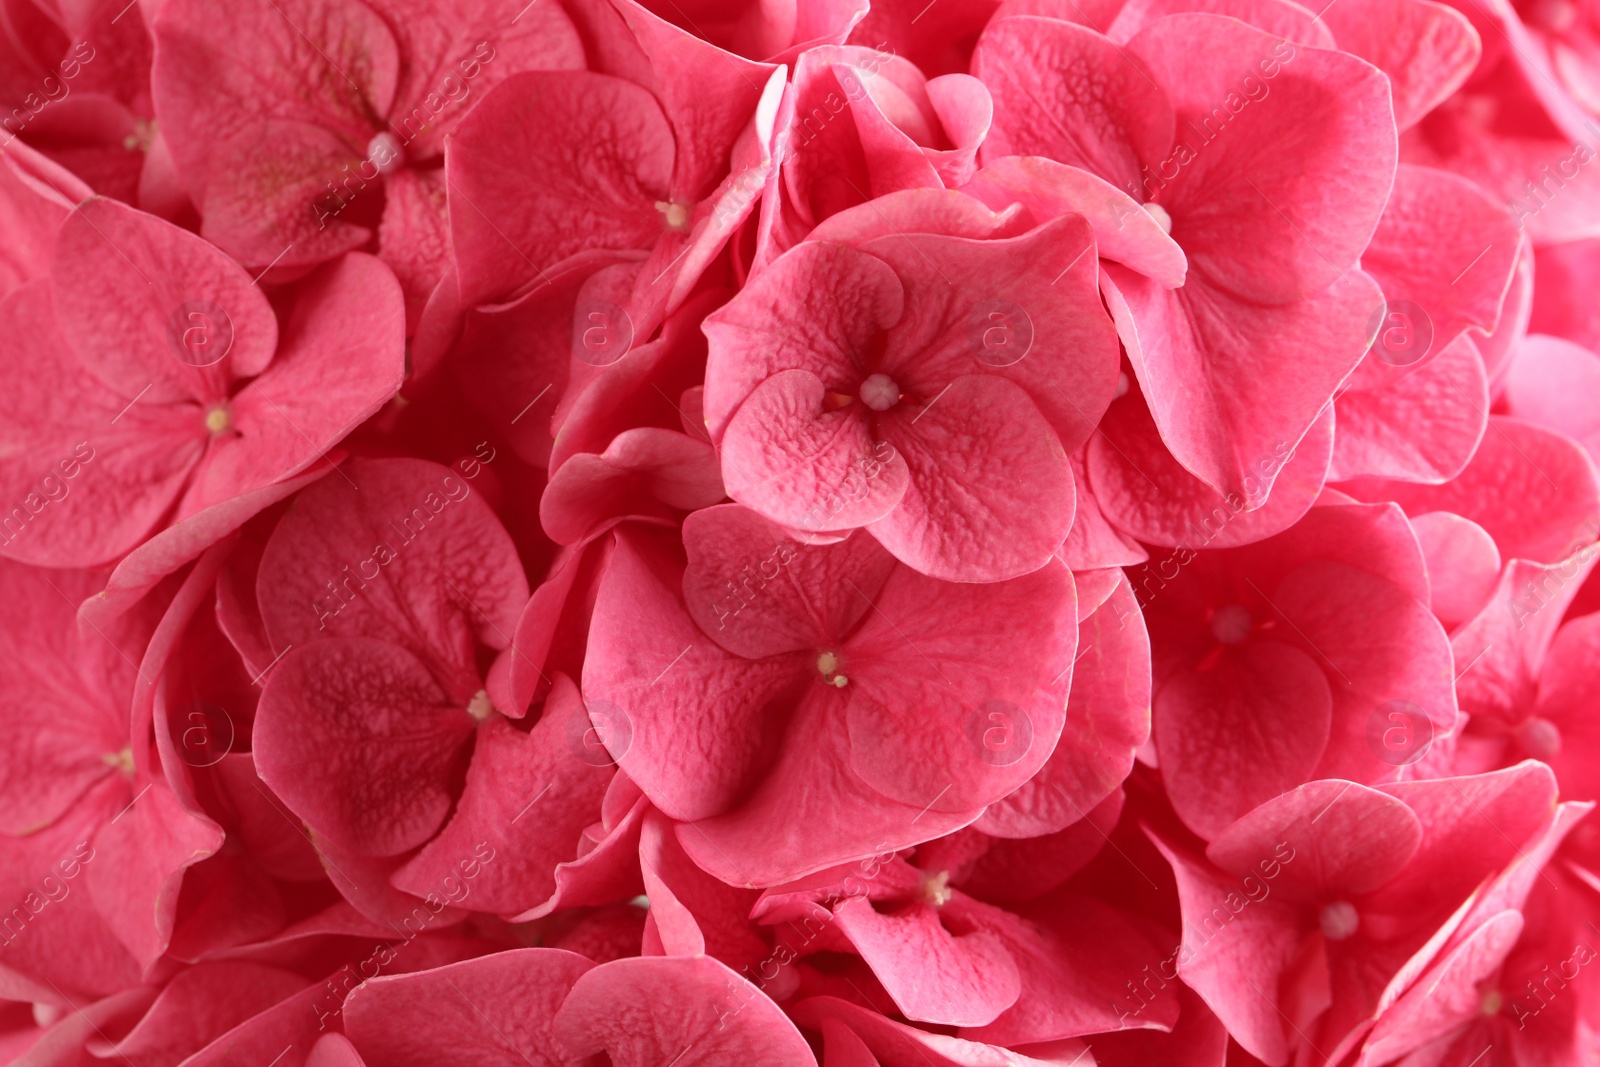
865, 533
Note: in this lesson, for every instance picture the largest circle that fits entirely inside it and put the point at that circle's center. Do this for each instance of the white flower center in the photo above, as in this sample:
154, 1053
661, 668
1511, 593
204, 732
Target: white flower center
1339, 920
1230, 624
218, 421
386, 152
879, 392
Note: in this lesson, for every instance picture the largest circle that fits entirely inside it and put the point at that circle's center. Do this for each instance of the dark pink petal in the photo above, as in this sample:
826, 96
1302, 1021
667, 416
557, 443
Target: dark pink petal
146, 566
985, 459
456, 53
757, 593
1282, 206
788, 457
125, 475
1025, 309
1198, 1040
1471, 243
1093, 542
203, 1003
358, 739
364, 882
1204, 357
663, 467
1374, 538
1148, 495
934, 663
1534, 126
1239, 733
334, 1050
1123, 230
143, 853
1501, 649
1463, 564
645, 1011
812, 812
68, 1039
1382, 647
1547, 473
1108, 719
707, 95
1063, 91
1425, 48
261, 141
696, 748
1069, 955
514, 360
608, 872
66, 697
341, 357
651, 385
64, 945
1012, 870
1239, 947
894, 1044
1566, 685
1453, 995
1422, 426
1499, 348
789, 318
497, 1009
1566, 272
36, 195
1472, 826
1347, 840
404, 551
530, 797
692, 913
414, 236
933, 975
920, 211
603, 152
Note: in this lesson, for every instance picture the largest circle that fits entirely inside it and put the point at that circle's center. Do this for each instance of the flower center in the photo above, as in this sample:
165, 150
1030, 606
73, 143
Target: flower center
218, 421
828, 664
1339, 920
1231, 623
936, 888
1540, 738
480, 707
879, 392
1161, 215
674, 214
122, 761
142, 137
1492, 1002
386, 152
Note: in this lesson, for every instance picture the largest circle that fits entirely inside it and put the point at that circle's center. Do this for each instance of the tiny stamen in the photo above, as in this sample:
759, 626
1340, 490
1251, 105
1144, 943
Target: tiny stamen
480, 707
